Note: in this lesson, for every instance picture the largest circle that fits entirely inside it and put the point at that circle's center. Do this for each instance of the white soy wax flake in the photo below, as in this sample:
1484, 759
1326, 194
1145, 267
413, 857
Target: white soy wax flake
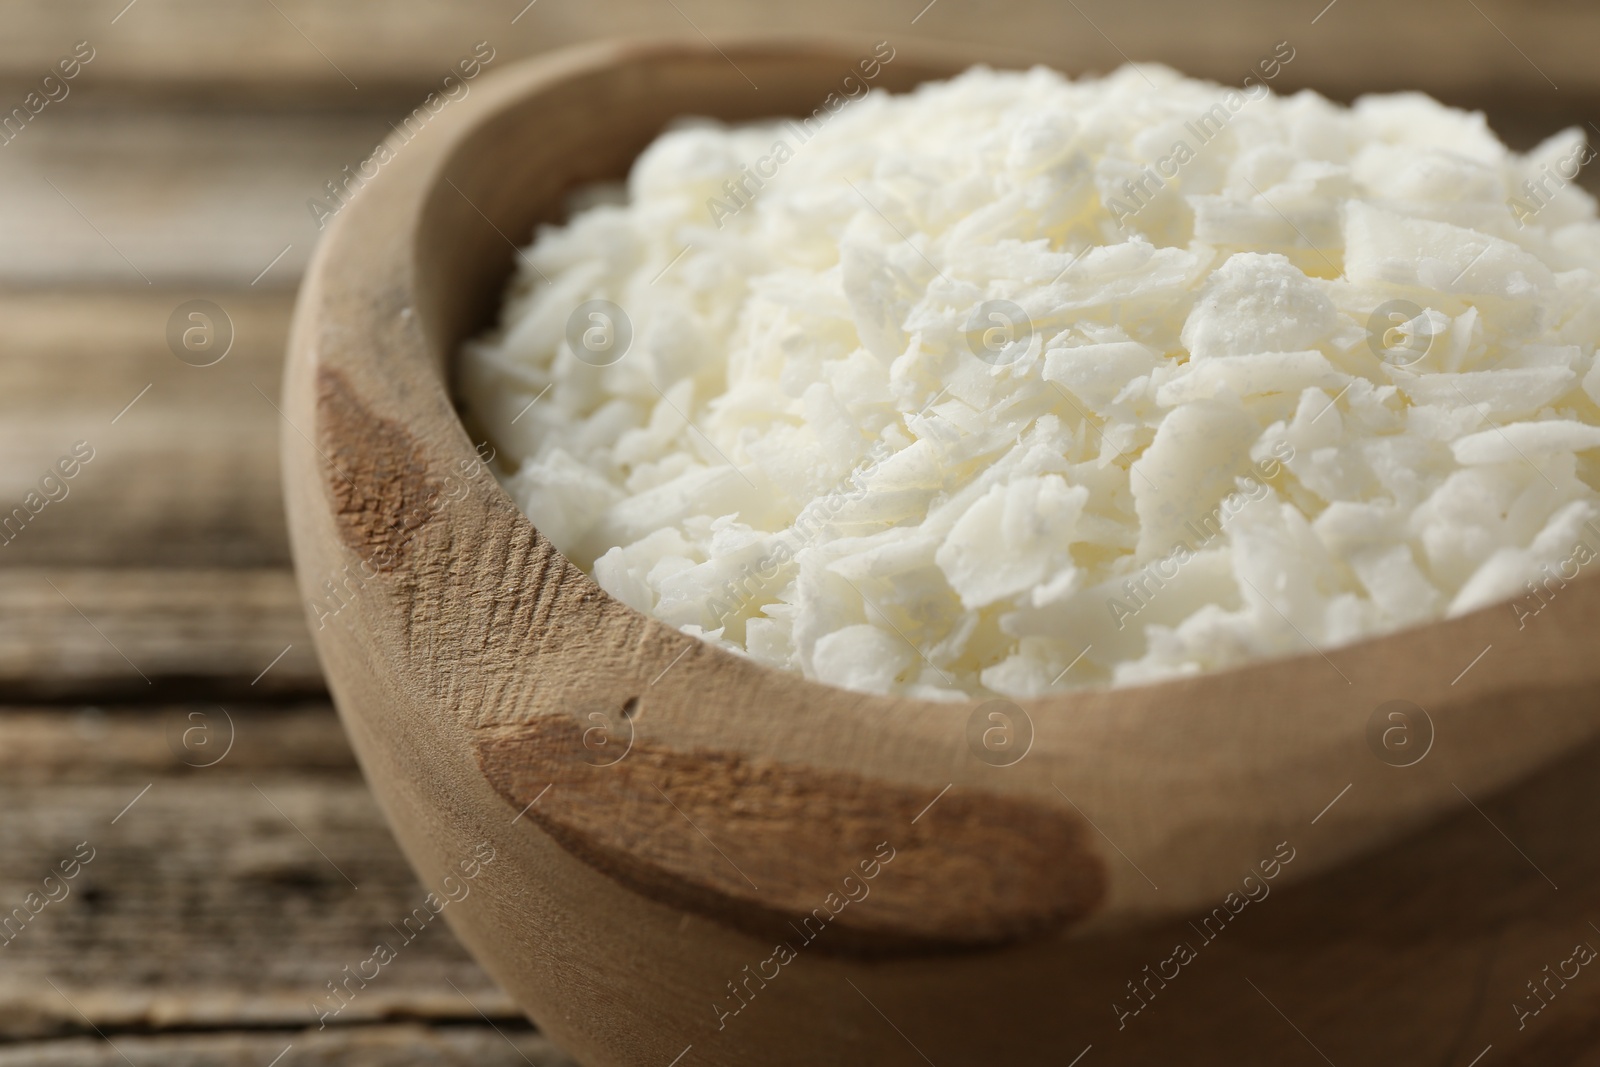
1018, 383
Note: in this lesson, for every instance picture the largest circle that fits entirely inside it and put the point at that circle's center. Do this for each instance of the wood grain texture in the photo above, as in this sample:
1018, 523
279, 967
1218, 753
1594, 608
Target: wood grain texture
990, 869
388, 1045
185, 477
91, 743
478, 654
147, 632
219, 898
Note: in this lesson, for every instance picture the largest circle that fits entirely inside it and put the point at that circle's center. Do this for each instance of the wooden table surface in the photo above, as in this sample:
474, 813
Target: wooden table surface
161, 708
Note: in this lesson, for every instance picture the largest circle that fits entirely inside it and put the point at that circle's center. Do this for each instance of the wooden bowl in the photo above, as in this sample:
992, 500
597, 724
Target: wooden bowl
695, 856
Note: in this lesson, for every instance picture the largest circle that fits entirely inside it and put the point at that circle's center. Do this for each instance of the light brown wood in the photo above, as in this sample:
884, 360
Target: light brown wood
745, 794
90, 743
187, 476
140, 633
203, 199
1014, 868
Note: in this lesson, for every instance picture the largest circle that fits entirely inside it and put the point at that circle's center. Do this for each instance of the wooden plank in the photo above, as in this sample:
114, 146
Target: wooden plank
330, 49
397, 1045
144, 633
187, 476
108, 191
214, 897
90, 744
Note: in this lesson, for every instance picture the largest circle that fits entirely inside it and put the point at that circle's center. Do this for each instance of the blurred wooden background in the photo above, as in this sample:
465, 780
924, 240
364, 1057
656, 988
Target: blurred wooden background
178, 167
